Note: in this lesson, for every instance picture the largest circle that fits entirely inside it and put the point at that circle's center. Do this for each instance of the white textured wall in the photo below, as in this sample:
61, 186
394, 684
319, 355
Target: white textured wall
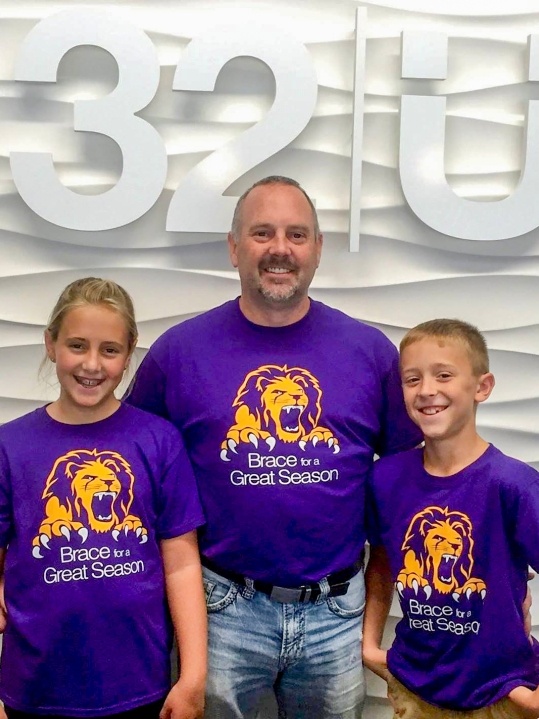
404, 271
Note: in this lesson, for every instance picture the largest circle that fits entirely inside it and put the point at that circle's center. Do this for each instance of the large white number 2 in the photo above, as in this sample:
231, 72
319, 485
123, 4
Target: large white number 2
198, 204
143, 152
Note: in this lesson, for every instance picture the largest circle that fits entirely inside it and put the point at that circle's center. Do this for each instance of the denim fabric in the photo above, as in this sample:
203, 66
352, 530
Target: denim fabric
308, 654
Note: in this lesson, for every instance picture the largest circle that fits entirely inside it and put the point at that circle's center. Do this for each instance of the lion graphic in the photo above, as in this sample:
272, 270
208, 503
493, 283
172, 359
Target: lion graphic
438, 550
278, 403
88, 490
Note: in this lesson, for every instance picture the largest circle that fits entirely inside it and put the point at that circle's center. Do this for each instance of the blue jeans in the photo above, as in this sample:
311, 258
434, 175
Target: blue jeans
308, 654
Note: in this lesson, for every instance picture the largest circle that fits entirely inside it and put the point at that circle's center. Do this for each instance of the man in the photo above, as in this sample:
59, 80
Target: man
283, 402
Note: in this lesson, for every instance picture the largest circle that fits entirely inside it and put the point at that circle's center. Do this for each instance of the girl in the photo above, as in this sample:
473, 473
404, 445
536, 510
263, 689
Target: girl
98, 511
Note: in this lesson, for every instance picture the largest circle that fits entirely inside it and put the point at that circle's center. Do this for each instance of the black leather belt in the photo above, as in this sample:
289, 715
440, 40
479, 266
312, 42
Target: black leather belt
338, 583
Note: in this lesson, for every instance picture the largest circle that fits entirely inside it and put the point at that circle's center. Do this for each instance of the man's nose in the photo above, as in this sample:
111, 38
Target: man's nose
280, 244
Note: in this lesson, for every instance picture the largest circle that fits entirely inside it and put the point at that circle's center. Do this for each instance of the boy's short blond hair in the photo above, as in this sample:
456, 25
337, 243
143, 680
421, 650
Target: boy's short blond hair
457, 330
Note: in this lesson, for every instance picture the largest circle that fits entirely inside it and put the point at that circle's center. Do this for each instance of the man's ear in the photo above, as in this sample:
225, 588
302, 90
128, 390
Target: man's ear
232, 245
319, 243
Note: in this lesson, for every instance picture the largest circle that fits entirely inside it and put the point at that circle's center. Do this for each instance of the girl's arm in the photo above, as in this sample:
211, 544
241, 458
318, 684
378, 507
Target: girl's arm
3, 610
379, 587
185, 592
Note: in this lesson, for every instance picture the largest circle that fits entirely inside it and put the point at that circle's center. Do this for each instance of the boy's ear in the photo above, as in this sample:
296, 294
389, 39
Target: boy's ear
485, 385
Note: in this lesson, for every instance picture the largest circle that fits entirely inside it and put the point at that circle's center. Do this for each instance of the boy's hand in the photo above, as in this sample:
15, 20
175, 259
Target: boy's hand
375, 659
527, 700
183, 702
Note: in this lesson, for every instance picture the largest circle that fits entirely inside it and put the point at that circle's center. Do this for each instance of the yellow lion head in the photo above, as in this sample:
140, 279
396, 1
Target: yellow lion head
442, 544
284, 400
94, 487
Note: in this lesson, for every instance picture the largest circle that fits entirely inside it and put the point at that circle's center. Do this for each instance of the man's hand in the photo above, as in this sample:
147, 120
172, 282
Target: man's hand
183, 702
375, 659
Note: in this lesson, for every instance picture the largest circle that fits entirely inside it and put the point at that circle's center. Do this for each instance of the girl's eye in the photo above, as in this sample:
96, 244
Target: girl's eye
410, 381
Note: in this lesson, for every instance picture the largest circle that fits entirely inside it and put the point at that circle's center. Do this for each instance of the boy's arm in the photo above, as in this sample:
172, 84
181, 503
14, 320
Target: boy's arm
185, 592
379, 587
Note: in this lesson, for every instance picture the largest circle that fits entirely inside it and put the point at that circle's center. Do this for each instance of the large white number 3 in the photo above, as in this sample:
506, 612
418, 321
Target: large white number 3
198, 204
143, 152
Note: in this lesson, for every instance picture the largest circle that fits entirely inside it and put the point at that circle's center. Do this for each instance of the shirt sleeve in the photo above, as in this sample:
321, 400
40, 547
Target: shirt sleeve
179, 509
372, 518
6, 502
398, 432
521, 505
148, 389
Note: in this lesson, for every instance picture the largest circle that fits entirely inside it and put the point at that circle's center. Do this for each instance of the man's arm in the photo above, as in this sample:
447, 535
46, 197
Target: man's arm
148, 388
378, 603
185, 592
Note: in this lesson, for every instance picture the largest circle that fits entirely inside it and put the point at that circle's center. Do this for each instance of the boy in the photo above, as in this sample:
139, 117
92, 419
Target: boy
456, 525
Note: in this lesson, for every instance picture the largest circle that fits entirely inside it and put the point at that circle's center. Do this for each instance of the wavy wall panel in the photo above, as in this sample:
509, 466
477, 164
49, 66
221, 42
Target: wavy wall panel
404, 273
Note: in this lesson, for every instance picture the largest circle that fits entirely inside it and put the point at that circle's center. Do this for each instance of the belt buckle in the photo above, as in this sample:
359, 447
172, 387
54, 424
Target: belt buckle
284, 595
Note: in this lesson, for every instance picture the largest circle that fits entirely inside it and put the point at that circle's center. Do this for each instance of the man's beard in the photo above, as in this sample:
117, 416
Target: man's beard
277, 293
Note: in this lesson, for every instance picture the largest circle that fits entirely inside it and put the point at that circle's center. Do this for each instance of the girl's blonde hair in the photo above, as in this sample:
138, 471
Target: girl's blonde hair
94, 291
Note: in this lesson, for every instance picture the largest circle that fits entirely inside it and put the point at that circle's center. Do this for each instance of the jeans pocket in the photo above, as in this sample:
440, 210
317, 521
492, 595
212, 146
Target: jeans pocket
352, 603
220, 592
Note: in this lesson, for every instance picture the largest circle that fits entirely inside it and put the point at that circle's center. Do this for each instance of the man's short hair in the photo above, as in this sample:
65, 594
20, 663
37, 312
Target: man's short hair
272, 180
457, 330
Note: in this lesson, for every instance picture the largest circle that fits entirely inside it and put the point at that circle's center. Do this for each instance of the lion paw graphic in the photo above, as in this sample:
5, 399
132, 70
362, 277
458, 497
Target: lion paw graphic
57, 524
321, 434
239, 434
131, 524
414, 581
471, 586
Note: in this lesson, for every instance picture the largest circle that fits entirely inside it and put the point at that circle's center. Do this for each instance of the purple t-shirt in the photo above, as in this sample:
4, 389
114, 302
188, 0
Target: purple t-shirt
281, 424
459, 549
82, 511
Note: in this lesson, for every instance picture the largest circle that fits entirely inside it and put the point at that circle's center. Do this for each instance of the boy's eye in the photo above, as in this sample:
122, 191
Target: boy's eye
444, 375
410, 381
111, 351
